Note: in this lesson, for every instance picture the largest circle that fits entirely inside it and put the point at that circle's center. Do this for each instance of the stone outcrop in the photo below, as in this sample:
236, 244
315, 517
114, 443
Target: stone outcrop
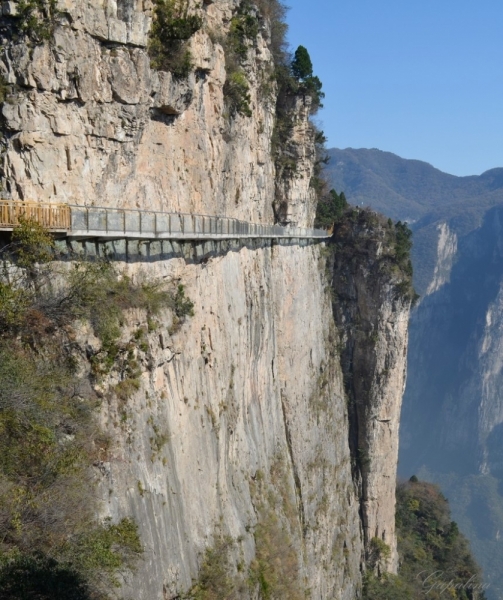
372, 313
294, 202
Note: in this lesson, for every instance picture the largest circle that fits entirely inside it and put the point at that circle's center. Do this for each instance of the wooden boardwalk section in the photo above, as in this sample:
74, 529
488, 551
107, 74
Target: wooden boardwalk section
80, 222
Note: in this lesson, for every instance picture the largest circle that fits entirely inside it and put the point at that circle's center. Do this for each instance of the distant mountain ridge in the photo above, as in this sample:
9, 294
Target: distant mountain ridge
396, 185
417, 192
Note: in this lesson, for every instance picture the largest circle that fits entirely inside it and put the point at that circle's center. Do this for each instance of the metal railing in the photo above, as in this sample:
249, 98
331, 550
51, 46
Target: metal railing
55, 217
98, 222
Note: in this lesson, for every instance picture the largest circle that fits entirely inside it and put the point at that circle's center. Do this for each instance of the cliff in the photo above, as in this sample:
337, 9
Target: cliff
452, 414
237, 437
371, 308
454, 338
87, 121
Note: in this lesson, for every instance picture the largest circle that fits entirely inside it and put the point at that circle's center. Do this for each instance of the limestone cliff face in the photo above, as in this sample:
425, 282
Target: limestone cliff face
294, 202
251, 381
87, 121
372, 313
447, 246
240, 423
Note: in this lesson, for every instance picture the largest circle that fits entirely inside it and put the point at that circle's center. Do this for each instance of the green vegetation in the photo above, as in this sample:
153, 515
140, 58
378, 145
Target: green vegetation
181, 306
416, 192
379, 554
318, 181
243, 32
274, 572
237, 96
218, 576
51, 545
171, 28
302, 67
330, 208
295, 79
363, 230
402, 248
275, 569
36, 19
435, 558
275, 12
403, 245
4, 89
308, 84
477, 503
292, 78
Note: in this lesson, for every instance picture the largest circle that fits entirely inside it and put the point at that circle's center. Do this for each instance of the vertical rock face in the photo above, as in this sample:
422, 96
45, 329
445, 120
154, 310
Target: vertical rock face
447, 246
88, 121
294, 203
239, 426
250, 382
372, 312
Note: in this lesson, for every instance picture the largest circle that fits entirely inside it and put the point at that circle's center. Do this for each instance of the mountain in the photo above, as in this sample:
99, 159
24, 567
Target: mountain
408, 189
452, 418
185, 397
417, 192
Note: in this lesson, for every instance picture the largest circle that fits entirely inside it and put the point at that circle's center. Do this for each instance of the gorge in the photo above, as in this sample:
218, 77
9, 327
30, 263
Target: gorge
451, 421
241, 397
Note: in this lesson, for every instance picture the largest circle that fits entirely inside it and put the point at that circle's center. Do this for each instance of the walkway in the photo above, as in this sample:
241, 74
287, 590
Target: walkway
79, 222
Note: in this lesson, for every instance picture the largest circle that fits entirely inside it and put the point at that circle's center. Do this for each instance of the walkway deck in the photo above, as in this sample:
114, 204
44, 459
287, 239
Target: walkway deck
79, 222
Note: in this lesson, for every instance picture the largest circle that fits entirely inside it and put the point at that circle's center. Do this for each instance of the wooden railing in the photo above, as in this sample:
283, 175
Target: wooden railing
55, 217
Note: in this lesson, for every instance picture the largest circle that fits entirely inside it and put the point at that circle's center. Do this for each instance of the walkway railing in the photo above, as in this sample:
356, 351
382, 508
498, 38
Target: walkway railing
55, 217
110, 223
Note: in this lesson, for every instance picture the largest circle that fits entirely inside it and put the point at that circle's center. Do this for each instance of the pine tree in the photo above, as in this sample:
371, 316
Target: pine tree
302, 67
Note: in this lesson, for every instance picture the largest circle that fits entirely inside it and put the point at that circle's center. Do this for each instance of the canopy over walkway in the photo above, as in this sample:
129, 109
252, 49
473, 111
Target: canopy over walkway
80, 222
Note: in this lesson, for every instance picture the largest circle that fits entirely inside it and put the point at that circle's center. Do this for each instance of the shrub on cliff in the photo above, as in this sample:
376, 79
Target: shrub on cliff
171, 28
367, 233
330, 207
237, 94
435, 559
36, 19
242, 35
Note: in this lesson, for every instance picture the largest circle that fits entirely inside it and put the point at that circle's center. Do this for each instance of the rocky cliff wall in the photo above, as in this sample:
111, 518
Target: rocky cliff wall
87, 121
250, 382
371, 309
237, 427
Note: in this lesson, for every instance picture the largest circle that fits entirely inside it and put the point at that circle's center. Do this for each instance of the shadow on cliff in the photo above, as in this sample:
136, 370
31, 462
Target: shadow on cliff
192, 252
41, 578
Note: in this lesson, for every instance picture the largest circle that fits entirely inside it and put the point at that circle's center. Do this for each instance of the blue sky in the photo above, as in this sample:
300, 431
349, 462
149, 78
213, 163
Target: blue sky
420, 78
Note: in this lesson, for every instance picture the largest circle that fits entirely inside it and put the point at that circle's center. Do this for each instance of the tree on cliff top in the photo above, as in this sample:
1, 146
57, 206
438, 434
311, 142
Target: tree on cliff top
302, 67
